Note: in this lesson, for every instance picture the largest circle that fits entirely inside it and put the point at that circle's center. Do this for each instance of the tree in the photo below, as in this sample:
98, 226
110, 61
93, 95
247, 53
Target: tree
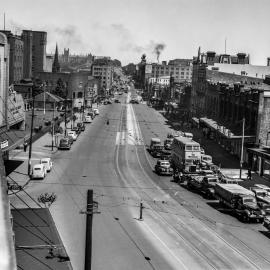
60, 89
47, 199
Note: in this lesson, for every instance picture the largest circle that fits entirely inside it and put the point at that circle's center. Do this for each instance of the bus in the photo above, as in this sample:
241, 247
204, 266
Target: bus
185, 153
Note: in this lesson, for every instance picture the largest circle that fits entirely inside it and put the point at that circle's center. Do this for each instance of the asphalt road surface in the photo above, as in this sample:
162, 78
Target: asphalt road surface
179, 230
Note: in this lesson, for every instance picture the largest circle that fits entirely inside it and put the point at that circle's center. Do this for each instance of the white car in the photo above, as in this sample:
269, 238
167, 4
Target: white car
96, 111
47, 163
73, 135
87, 119
38, 171
266, 188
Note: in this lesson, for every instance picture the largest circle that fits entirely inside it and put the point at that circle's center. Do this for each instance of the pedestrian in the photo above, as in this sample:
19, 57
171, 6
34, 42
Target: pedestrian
249, 174
25, 146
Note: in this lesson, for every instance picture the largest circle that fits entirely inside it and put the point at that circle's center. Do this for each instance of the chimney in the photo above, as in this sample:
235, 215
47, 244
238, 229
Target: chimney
268, 61
164, 63
241, 58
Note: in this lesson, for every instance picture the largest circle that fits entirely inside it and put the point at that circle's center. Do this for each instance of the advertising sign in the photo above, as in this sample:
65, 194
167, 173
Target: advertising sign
15, 108
148, 69
4, 144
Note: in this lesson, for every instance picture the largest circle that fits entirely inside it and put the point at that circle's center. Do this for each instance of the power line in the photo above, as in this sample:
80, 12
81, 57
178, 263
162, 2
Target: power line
51, 242
36, 235
37, 259
32, 210
25, 193
19, 267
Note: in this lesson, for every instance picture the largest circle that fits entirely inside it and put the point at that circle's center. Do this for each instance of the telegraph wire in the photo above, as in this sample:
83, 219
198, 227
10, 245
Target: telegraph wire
36, 235
32, 210
36, 227
25, 193
37, 259
20, 267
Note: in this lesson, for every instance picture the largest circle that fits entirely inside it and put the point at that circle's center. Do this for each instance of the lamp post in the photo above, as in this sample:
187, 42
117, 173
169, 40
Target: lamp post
53, 123
242, 147
66, 110
31, 131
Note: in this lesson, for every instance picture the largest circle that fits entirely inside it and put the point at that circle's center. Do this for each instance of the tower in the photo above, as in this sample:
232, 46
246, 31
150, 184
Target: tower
56, 65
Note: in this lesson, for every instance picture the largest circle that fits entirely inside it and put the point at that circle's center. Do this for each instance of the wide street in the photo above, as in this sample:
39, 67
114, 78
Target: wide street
179, 230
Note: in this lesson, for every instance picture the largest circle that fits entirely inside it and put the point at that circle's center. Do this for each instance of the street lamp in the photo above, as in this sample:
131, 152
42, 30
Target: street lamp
242, 147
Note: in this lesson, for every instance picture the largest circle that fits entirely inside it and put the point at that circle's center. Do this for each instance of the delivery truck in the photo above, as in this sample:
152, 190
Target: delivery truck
240, 200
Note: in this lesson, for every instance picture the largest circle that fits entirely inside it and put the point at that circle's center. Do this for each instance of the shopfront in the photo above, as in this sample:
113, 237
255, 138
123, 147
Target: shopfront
259, 160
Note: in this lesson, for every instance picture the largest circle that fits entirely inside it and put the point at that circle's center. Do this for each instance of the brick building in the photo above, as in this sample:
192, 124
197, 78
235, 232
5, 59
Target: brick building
223, 99
15, 57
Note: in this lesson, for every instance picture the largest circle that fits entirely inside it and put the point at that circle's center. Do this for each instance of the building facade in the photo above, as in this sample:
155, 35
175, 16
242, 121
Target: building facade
15, 57
4, 83
35, 43
179, 69
104, 72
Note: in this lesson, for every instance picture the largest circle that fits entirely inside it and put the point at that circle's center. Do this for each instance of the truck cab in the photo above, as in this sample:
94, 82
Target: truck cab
248, 209
153, 142
208, 185
163, 167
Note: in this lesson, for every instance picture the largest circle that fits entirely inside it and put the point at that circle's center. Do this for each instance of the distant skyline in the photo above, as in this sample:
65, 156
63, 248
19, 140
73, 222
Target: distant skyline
125, 29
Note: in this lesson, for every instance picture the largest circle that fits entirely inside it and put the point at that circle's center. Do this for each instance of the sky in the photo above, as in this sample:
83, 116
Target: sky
125, 29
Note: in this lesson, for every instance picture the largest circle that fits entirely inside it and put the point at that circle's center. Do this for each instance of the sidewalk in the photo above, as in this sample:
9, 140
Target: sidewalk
17, 165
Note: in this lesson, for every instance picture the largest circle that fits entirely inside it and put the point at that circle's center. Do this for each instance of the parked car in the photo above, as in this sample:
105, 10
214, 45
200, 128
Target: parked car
76, 130
73, 134
38, 171
96, 110
117, 101
70, 139
47, 162
81, 126
64, 143
87, 119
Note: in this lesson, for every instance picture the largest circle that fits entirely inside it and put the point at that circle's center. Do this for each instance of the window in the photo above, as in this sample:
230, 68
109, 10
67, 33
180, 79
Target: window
80, 95
182, 73
189, 147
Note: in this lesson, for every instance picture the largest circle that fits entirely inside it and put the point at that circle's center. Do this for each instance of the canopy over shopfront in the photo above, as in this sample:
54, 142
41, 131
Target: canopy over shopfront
225, 137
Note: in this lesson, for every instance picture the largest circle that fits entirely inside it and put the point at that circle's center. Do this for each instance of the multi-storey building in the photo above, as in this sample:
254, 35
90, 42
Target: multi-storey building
15, 57
8, 259
34, 52
179, 69
102, 69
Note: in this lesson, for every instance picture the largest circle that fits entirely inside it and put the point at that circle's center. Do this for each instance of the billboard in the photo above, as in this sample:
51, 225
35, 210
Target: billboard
148, 69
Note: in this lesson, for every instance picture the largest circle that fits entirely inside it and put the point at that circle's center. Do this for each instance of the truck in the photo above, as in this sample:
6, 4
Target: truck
208, 186
204, 184
163, 167
240, 200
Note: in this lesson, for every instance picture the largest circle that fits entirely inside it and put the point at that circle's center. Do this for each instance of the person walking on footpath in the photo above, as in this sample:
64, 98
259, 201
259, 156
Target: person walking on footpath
249, 177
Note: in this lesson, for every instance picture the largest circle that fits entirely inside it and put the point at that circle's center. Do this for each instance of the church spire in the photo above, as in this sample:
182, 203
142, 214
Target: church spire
56, 65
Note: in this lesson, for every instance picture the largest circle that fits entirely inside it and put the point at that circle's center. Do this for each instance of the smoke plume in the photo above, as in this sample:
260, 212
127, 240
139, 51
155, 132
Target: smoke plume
159, 47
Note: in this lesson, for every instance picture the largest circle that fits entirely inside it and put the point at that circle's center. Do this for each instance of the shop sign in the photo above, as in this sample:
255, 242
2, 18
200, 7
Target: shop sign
4, 144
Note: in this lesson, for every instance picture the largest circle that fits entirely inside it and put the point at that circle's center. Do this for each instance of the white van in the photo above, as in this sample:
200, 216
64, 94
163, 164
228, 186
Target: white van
188, 135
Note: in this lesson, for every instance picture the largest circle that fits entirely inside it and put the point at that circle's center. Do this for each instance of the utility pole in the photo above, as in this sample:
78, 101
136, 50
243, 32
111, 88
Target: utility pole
66, 111
53, 123
242, 147
31, 131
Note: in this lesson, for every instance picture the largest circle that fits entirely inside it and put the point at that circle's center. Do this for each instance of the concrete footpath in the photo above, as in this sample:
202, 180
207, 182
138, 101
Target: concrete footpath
17, 166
